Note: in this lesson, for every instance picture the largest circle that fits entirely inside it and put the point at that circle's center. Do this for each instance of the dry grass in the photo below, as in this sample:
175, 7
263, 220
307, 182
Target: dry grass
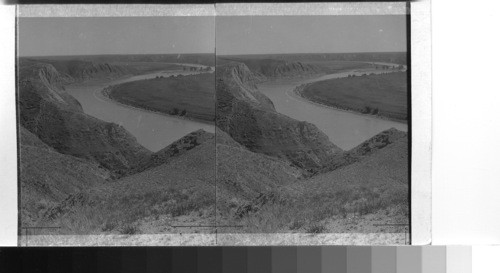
119, 214
130, 230
316, 228
307, 212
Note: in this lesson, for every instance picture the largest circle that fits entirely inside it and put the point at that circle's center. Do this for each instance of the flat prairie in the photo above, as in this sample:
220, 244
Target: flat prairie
187, 96
384, 95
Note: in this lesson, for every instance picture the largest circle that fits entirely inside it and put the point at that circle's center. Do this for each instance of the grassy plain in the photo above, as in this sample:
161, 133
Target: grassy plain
190, 96
383, 94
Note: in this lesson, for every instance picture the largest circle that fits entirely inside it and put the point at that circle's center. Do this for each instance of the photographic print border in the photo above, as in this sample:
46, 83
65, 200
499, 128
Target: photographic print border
420, 124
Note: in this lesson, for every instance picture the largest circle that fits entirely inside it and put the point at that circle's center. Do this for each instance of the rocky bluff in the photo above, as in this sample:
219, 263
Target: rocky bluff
249, 117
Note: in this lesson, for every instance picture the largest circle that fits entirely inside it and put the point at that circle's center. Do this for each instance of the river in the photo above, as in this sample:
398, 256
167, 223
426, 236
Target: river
345, 129
155, 131
152, 130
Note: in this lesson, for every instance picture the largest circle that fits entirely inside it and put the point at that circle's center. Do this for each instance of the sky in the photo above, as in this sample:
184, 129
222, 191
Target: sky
115, 35
233, 34
310, 34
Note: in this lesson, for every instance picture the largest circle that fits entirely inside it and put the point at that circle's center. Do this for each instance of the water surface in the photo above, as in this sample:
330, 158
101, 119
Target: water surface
345, 129
152, 130
155, 131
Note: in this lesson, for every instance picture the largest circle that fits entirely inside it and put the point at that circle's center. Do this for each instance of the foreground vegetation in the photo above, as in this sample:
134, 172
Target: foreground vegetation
369, 190
336, 210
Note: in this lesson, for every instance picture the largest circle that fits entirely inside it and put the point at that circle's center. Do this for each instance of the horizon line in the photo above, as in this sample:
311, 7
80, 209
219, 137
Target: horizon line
352, 52
199, 53
114, 54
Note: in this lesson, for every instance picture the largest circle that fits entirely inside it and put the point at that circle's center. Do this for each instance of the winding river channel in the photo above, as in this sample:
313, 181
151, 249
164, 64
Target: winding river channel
345, 129
155, 131
152, 130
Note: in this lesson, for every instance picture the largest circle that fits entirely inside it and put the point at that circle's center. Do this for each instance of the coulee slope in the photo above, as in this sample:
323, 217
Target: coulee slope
249, 117
176, 185
48, 177
58, 120
363, 187
62, 150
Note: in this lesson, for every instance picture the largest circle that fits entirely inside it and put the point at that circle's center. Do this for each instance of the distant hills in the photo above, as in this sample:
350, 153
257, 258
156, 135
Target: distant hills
207, 59
388, 57
280, 66
265, 69
69, 71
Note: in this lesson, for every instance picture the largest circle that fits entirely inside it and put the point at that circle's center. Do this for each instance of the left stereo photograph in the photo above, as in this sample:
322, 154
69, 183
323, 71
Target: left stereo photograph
116, 130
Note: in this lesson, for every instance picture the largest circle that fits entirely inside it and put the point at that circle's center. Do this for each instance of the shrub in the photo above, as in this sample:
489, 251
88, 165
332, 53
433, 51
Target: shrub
296, 224
321, 213
343, 211
109, 226
183, 209
316, 228
129, 230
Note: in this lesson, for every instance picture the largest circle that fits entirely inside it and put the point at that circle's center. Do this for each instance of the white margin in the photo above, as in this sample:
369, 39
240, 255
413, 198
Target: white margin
119, 10
300, 9
421, 173
8, 139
